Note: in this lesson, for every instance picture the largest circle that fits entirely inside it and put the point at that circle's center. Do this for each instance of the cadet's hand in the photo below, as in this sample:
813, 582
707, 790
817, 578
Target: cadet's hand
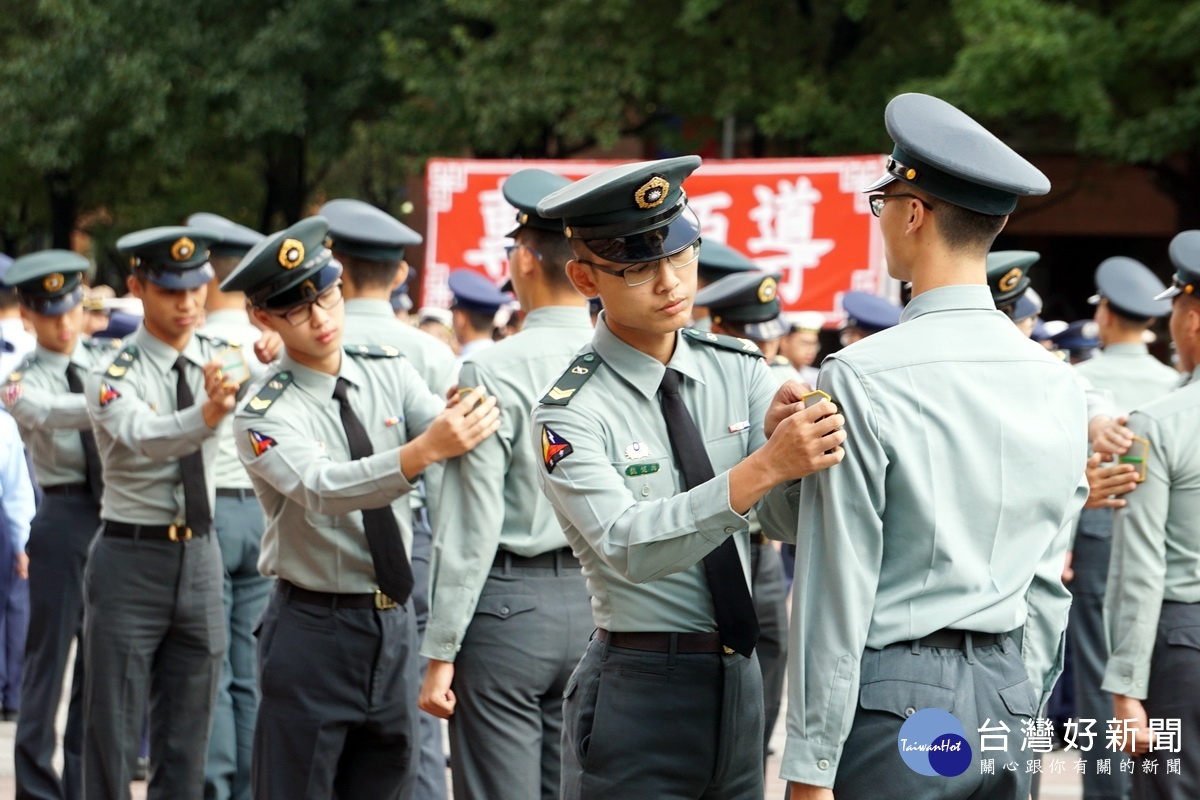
1127, 708
222, 395
22, 565
803, 791
268, 346
785, 403
1110, 436
1068, 573
436, 697
1107, 480
806, 442
460, 427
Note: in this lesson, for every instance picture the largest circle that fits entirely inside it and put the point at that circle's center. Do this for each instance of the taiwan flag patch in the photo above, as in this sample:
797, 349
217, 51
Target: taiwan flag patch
107, 393
554, 448
260, 442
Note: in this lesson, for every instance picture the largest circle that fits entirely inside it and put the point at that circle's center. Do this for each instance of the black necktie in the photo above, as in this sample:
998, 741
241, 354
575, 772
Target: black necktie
196, 511
736, 620
392, 568
95, 477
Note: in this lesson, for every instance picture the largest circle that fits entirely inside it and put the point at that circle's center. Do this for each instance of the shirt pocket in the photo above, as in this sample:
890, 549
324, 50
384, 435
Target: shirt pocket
904, 698
727, 450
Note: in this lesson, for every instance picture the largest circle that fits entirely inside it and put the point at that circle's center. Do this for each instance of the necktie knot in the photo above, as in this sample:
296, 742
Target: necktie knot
670, 382
340, 390
180, 364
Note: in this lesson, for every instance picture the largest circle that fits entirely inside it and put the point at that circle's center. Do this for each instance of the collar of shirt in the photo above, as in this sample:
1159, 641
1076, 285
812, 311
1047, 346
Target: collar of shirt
161, 354
320, 385
639, 370
558, 317
370, 307
57, 362
949, 298
474, 346
1127, 349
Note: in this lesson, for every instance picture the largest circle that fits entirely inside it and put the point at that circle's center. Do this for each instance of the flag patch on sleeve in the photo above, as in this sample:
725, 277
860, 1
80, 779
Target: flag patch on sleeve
107, 393
554, 448
261, 442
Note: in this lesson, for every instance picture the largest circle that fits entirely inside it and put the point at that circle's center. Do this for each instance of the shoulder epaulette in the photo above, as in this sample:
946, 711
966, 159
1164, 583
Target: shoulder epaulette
123, 361
18, 373
102, 344
373, 350
581, 369
216, 340
743, 346
780, 361
269, 393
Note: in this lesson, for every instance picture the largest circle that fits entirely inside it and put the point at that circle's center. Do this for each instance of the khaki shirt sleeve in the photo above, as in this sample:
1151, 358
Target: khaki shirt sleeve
1137, 570
39, 405
127, 418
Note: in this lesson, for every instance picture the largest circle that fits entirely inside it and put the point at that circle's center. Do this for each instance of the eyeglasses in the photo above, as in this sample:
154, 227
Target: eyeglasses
877, 201
647, 271
298, 315
512, 248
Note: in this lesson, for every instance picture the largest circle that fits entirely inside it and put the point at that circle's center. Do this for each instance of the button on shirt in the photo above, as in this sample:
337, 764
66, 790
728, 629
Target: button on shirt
952, 508
141, 436
372, 321
618, 495
50, 416
311, 492
233, 327
1132, 375
1155, 547
489, 496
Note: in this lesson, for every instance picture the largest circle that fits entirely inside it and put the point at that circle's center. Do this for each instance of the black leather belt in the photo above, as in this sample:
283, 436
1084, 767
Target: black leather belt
166, 533
335, 600
241, 494
957, 640
562, 557
655, 642
67, 488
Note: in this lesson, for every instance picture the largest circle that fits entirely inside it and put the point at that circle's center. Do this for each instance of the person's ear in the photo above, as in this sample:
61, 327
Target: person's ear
583, 278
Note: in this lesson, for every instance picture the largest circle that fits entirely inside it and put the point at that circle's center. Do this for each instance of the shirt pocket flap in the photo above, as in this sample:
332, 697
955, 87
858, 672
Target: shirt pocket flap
1020, 699
1188, 636
505, 605
904, 698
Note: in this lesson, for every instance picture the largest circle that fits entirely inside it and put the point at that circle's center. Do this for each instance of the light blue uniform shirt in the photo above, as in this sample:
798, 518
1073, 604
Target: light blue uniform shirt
1131, 374
234, 327
952, 508
16, 486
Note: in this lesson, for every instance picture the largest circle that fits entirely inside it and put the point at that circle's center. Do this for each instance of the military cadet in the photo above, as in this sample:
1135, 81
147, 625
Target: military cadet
652, 452
946, 527
717, 261
238, 525
369, 244
1152, 601
17, 505
333, 441
1079, 341
802, 343
509, 616
745, 305
473, 310
45, 396
15, 342
866, 314
153, 616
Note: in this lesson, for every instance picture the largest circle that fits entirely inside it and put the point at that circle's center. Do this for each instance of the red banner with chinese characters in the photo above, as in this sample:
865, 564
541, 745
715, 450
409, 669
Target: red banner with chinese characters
805, 218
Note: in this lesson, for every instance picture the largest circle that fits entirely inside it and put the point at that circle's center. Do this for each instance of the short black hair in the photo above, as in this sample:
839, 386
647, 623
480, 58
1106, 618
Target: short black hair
224, 265
366, 274
555, 249
964, 229
479, 320
8, 298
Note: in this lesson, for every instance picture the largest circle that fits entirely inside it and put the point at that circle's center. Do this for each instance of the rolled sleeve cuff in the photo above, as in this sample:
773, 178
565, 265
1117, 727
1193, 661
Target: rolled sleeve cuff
1125, 678
714, 516
441, 642
809, 762
388, 473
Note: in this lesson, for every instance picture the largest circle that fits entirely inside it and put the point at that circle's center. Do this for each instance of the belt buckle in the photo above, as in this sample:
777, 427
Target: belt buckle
383, 602
173, 533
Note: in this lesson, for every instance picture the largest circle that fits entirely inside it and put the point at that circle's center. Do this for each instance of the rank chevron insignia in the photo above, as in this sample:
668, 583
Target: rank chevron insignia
554, 448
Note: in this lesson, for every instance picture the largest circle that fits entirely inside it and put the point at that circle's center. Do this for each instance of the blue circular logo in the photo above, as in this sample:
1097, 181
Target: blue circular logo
934, 742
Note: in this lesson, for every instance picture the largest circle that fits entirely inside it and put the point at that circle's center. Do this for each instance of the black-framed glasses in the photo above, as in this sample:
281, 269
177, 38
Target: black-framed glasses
646, 271
300, 314
877, 201
512, 248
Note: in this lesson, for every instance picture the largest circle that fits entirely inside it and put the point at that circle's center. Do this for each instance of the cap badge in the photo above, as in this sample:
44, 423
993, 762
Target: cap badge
766, 290
1010, 279
522, 218
291, 253
183, 249
652, 193
53, 282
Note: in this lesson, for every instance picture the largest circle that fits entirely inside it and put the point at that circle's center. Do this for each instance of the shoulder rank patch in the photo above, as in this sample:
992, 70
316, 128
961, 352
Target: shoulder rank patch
268, 394
780, 361
554, 448
260, 442
16, 375
568, 383
743, 346
372, 350
107, 393
216, 340
102, 344
122, 362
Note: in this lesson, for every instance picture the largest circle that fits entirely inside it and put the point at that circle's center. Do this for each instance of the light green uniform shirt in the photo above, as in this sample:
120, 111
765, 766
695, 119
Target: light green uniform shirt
233, 326
291, 439
783, 370
50, 417
372, 321
489, 496
607, 469
1131, 374
952, 508
140, 433
1156, 538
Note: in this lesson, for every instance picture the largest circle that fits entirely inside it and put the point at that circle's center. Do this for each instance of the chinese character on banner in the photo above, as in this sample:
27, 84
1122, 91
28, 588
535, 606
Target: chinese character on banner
993, 738
1080, 766
1104, 766
1120, 734
987, 766
805, 218
1076, 729
1127, 765
1150, 766
1033, 766
1165, 735
1174, 766
1037, 735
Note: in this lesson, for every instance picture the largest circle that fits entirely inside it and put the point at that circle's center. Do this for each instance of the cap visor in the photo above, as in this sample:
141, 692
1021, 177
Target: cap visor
1168, 293
767, 331
1094, 300
882, 182
663, 241
188, 279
